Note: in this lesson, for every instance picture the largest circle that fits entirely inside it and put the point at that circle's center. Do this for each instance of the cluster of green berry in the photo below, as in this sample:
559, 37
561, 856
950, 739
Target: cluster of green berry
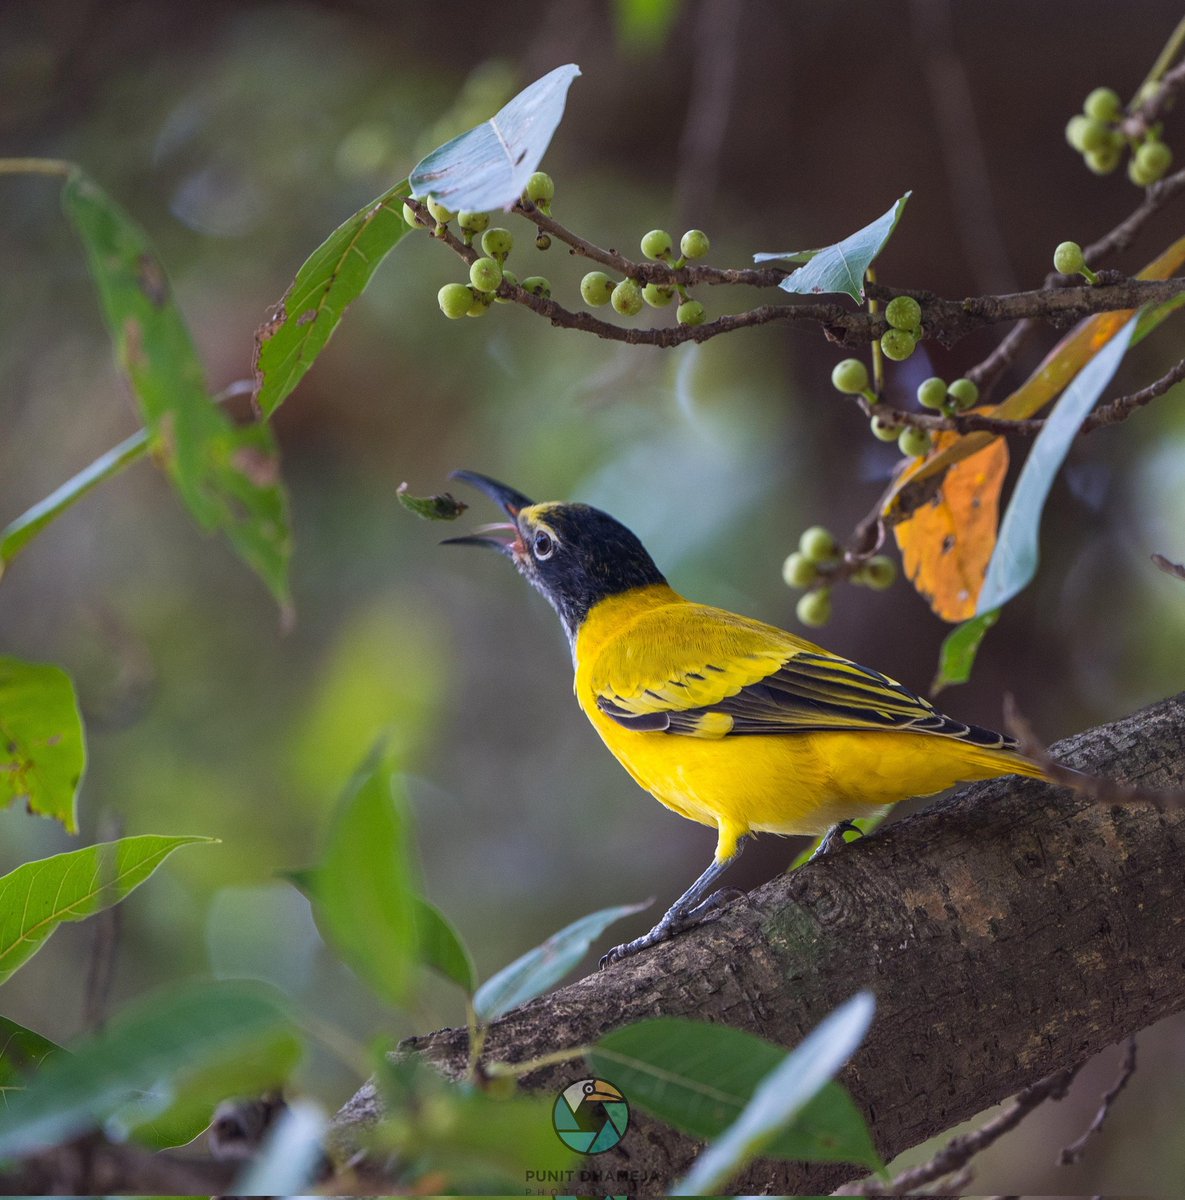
904, 315
814, 565
1097, 134
489, 272
629, 296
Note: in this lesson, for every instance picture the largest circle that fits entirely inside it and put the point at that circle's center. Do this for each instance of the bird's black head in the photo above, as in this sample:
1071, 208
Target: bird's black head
575, 555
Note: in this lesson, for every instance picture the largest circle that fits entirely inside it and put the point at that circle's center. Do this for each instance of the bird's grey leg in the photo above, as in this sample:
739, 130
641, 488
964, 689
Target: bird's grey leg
689, 909
832, 838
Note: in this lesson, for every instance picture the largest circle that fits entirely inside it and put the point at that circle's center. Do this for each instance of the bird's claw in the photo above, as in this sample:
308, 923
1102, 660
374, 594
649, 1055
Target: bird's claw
671, 926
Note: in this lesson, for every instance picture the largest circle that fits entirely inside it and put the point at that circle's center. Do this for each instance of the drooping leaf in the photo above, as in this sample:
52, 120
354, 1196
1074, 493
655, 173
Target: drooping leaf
545, 965
19, 532
364, 894
287, 1163
488, 166
441, 948
445, 507
780, 1097
698, 1077
42, 746
233, 1038
1058, 367
959, 648
1015, 559
37, 897
947, 542
331, 278
22, 1053
841, 267
227, 475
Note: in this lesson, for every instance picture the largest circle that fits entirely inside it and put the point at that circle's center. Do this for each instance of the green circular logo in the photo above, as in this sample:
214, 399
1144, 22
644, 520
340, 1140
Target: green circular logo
590, 1116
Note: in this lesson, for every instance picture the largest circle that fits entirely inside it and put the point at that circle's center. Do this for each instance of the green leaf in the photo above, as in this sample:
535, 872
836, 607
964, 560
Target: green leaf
781, 1096
227, 475
843, 266
1014, 560
488, 166
22, 1052
959, 648
38, 896
42, 746
365, 897
536, 971
19, 532
441, 947
432, 508
333, 276
186, 1049
698, 1078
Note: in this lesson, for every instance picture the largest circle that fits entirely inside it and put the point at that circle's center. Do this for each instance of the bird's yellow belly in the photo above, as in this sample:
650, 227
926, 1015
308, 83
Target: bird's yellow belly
790, 784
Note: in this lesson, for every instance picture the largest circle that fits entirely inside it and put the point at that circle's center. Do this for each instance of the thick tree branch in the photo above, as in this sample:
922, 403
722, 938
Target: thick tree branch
1008, 933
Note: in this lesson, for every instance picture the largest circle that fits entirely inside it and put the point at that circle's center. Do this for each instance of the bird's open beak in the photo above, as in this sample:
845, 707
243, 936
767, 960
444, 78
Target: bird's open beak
512, 503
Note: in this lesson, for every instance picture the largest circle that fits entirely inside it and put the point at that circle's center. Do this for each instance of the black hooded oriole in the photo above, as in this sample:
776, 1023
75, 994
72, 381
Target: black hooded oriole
728, 721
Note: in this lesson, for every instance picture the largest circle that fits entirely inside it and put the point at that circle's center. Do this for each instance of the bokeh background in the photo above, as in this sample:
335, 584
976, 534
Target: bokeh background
239, 134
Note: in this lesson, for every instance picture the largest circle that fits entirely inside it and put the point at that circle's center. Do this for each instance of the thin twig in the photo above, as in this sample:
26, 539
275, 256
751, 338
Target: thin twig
959, 1151
1093, 787
1075, 1150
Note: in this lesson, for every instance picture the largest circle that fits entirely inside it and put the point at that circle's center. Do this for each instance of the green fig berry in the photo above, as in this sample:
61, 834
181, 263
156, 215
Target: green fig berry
473, 222
798, 571
657, 244
543, 241
1103, 104
690, 312
540, 189
694, 244
1068, 258
814, 608
596, 288
932, 392
964, 393
1138, 175
411, 217
454, 300
480, 305
883, 430
914, 443
903, 312
1094, 135
537, 286
878, 573
485, 274
1154, 159
443, 215
818, 545
849, 377
497, 243
1075, 131
1104, 161
658, 295
627, 298
898, 344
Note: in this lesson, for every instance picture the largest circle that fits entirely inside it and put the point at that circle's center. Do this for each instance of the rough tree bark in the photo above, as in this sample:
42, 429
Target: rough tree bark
1010, 930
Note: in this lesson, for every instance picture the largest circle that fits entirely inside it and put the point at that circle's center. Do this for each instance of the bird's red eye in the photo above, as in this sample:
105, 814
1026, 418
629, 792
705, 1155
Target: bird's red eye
543, 545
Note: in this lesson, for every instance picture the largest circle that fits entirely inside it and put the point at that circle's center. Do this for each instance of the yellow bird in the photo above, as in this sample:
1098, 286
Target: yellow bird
726, 720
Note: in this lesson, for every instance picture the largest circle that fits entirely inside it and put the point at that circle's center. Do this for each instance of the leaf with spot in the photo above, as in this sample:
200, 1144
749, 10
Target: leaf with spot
42, 746
488, 166
37, 897
843, 266
332, 277
227, 474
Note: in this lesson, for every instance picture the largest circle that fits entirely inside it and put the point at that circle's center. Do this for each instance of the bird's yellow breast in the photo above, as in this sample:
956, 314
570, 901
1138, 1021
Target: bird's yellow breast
651, 641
